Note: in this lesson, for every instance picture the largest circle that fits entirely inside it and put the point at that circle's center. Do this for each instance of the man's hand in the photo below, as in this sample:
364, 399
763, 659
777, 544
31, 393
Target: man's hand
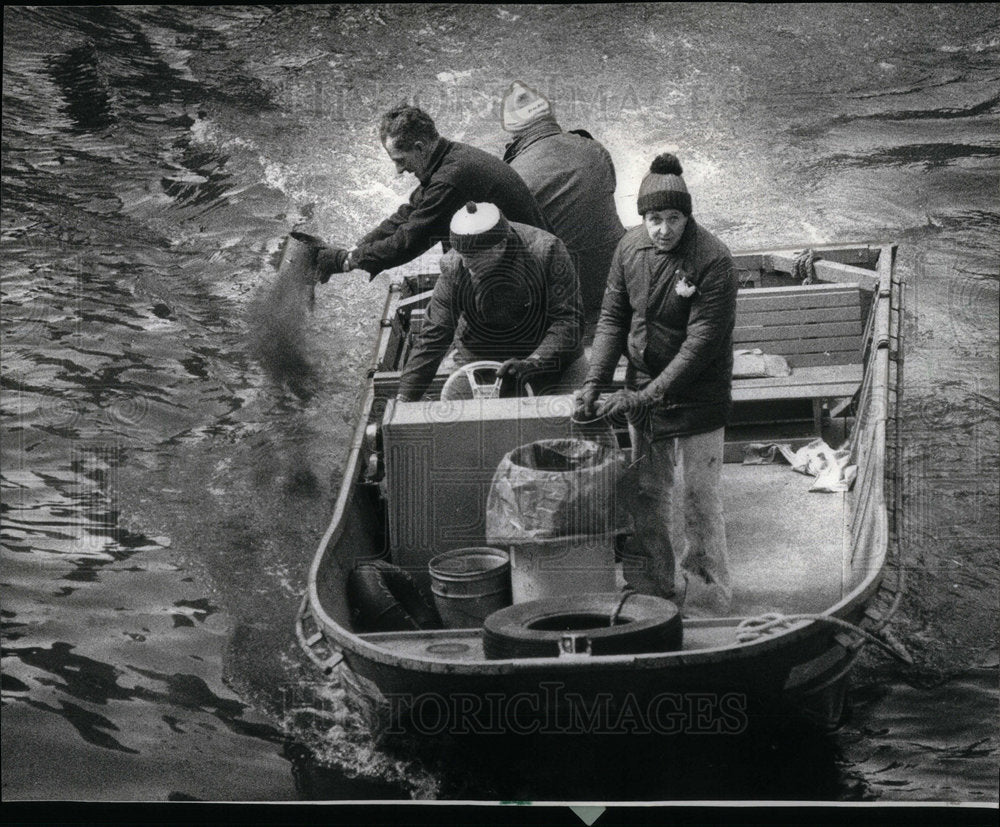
517, 368
513, 377
585, 403
330, 260
625, 404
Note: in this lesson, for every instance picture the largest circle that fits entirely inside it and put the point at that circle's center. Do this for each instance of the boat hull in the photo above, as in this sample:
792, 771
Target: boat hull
721, 698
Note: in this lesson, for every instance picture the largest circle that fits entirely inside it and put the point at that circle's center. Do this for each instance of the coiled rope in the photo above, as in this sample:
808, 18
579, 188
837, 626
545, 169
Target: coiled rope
754, 628
804, 268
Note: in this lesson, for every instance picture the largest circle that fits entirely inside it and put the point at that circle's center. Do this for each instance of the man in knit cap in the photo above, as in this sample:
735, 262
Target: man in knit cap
507, 292
671, 306
450, 174
573, 180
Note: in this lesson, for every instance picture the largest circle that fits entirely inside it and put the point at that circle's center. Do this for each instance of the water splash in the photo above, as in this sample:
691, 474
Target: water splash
278, 318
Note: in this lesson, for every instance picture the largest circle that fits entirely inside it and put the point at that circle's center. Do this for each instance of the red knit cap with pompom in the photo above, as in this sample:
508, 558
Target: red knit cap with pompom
663, 188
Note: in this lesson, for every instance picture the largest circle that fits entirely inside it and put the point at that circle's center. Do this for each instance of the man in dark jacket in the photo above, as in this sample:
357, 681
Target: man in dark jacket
450, 174
507, 292
573, 180
670, 305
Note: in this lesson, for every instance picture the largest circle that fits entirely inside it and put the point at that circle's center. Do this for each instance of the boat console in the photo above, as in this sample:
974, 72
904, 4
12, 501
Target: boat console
440, 458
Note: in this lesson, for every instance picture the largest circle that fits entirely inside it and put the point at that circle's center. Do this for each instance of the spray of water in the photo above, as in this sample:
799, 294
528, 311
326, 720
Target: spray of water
278, 320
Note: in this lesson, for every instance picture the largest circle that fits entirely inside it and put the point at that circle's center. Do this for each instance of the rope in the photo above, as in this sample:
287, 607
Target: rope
596, 419
754, 628
628, 592
804, 268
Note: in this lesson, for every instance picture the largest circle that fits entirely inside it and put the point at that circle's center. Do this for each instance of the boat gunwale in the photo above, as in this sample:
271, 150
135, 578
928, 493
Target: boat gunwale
354, 645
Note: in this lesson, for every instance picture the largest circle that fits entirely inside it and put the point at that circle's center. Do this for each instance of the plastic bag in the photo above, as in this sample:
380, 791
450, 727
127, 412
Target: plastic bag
554, 489
817, 459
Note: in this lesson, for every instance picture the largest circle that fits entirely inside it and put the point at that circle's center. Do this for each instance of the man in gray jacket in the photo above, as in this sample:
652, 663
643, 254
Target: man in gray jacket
573, 180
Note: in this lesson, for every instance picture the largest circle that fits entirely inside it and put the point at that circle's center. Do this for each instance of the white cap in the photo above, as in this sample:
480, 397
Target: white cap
474, 218
478, 227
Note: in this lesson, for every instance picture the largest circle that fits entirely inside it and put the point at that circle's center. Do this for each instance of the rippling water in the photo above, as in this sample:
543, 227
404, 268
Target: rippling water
163, 490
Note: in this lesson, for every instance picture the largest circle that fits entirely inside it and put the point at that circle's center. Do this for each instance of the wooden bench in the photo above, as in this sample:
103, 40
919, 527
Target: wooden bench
820, 330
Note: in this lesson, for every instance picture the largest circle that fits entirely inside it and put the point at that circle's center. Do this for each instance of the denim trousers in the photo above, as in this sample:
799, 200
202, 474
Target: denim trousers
675, 489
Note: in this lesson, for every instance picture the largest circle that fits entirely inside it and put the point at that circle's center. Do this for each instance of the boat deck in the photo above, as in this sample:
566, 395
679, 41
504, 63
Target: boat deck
786, 545
786, 548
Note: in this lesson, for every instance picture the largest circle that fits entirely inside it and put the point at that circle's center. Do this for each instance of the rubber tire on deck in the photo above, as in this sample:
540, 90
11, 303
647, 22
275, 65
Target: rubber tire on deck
384, 598
645, 624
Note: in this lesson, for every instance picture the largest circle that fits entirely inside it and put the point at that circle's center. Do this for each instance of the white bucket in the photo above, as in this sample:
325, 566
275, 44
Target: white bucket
571, 565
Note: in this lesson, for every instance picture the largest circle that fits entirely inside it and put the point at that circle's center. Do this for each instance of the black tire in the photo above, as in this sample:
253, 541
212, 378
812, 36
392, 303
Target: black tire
384, 598
535, 629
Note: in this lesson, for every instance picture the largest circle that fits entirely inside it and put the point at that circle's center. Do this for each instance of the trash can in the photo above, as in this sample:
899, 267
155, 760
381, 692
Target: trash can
554, 506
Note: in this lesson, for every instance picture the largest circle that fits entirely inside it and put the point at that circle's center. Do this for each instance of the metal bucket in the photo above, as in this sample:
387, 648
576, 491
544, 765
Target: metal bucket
469, 584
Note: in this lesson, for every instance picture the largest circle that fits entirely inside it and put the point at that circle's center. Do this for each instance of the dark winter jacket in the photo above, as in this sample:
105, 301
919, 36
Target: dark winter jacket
572, 177
457, 173
535, 312
680, 347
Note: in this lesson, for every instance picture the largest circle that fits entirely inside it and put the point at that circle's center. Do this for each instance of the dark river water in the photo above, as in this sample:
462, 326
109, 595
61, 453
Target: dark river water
165, 486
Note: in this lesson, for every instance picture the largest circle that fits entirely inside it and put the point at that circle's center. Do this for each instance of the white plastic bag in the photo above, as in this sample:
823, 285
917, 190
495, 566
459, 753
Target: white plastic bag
819, 460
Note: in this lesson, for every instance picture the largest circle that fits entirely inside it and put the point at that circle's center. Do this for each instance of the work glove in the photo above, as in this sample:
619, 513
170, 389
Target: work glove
513, 375
518, 368
585, 403
327, 260
330, 260
625, 404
